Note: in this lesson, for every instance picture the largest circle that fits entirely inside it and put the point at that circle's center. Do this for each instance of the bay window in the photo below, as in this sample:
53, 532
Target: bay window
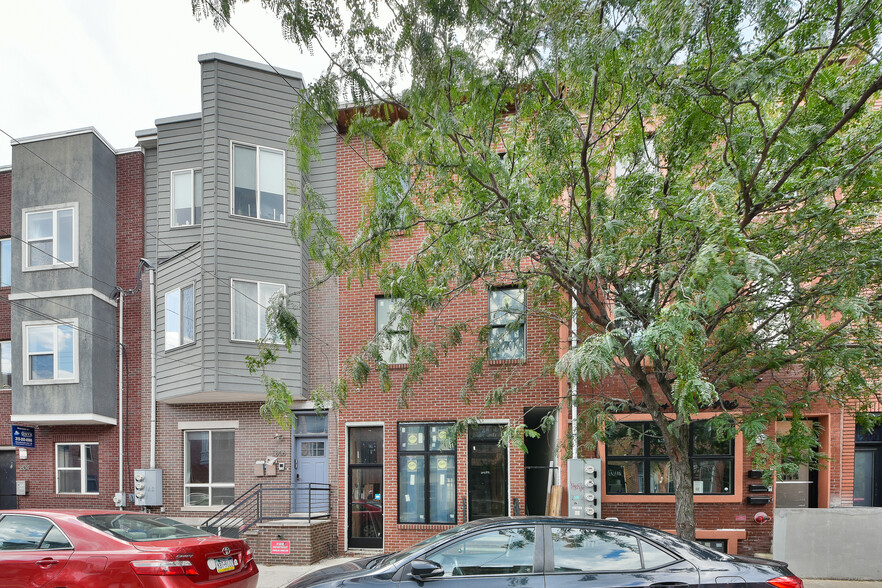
179, 317
250, 301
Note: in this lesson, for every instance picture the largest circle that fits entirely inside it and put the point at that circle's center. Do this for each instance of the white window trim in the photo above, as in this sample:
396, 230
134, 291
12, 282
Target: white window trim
209, 485
82, 469
165, 317
259, 148
76, 237
2, 242
3, 386
171, 201
26, 379
257, 302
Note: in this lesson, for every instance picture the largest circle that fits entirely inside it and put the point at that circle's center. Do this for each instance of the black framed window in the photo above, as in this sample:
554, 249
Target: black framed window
426, 473
507, 331
392, 331
636, 461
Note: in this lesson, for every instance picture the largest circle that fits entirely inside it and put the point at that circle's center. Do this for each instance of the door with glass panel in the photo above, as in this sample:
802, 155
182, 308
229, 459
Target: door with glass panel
365, 492
309, 465
488, 473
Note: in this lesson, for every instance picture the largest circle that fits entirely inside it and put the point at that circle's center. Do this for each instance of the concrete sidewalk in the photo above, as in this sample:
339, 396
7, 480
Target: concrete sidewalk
281, 576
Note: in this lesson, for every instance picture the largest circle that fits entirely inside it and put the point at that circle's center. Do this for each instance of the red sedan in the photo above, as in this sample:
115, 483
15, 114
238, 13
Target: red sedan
88, 548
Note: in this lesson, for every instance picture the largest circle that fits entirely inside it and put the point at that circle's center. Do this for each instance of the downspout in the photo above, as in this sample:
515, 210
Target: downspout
574, 383
152, 271
120, 400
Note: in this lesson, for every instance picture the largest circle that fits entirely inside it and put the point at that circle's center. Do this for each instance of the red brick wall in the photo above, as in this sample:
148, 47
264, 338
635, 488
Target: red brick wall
5, 225
255, 439
437, 398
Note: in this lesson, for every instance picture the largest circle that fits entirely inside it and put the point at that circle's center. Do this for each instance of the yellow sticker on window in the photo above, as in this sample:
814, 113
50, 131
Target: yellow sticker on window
412, 439
412, 466
442, 464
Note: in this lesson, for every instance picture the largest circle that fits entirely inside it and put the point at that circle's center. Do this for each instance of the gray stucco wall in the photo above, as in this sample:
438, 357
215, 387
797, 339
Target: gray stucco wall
77, 170
834, 543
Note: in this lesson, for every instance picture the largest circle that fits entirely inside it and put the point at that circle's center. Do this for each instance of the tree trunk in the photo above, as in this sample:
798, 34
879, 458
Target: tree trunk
681, 472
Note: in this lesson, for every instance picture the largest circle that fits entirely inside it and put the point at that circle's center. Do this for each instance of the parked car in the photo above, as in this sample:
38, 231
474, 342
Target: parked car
540, 552
88, 548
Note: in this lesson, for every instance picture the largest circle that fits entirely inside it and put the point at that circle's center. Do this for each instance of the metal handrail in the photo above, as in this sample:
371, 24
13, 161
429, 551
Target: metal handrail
264, 502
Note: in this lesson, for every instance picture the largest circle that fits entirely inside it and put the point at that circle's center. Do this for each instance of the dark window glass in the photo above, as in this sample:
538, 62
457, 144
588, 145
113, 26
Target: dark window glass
654, 557
142, 527
22, 532
507, 333
311, 424
594, 550
637, 462
504, 551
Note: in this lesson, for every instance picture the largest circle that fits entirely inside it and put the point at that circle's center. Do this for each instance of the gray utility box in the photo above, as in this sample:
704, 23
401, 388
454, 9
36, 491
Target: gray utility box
148, 487
583, 492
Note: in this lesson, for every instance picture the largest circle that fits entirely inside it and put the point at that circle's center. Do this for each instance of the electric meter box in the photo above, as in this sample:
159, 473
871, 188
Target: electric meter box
148, 487
584, 491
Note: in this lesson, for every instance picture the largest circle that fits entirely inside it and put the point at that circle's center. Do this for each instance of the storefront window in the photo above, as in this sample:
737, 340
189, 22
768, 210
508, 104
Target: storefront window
636, 462
426, 473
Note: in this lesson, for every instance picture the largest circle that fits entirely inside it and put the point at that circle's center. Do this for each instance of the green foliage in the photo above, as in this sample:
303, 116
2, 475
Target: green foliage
701, 180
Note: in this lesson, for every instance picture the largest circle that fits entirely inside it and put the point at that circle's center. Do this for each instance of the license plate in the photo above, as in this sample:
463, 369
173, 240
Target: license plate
225, 564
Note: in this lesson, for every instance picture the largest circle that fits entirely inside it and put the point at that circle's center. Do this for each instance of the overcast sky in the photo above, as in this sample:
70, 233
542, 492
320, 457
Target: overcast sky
118, 65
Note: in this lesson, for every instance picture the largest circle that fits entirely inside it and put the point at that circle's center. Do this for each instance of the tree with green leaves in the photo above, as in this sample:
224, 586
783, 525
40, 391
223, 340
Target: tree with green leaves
696, 183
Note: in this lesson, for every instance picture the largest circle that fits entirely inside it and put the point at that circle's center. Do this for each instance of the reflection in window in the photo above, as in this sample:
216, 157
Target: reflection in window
186, 198
426, 474
209, 468
5, 263
504, 551
507, 333
392, 332
76, 468
50, 238
599, 550
180, 324
259, 182
51, 352
18, 533
5, 364
637, 462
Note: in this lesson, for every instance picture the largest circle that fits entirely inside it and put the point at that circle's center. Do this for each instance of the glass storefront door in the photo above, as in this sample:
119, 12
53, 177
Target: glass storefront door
365, 487
488, 473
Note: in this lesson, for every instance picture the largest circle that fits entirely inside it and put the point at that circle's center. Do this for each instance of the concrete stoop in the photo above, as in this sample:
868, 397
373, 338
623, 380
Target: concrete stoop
308, 541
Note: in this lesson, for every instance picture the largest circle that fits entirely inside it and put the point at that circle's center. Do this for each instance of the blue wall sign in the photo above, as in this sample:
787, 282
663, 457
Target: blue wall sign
22, 436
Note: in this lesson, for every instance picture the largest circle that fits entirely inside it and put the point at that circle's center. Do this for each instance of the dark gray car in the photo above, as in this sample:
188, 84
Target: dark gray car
549, 552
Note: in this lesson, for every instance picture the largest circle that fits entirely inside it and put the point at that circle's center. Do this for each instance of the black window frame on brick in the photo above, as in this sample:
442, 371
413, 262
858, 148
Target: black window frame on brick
406, 429
506, 320
653, 453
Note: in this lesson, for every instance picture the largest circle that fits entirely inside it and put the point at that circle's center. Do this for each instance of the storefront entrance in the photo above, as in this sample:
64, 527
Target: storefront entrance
488, 473
365, 493
868, 466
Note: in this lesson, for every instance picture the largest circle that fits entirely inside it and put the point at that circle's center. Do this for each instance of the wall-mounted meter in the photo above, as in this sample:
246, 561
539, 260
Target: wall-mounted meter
148, 487
583, 492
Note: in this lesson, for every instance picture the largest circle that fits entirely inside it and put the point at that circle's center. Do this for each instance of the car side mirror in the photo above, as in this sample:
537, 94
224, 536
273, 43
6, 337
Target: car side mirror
423, 569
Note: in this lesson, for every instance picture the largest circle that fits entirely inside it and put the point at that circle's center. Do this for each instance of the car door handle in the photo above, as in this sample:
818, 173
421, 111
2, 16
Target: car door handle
47, 562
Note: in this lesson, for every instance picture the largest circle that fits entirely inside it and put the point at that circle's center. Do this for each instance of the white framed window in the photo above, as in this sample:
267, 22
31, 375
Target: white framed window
5, 263
508, 335
186, 197
50, 352
392, 332
209, 467
258, 182
5, 364
50, 237
76, 468
180, 313
250, 301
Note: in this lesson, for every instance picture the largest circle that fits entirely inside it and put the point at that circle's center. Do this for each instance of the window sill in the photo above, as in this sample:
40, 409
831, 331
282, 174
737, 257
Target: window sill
183, 346
506, 361
49, 382
78, 494
193, 226
40, 268
201, 508
280, 223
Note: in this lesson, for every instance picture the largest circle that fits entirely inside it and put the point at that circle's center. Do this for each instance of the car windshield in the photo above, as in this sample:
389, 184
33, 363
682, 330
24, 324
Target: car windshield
139, 527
